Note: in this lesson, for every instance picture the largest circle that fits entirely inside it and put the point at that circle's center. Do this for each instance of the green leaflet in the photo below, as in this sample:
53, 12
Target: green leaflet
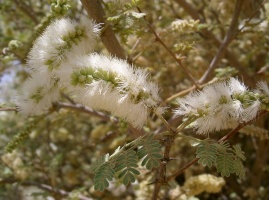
227, 160
126, 165
225, 164
207, 153
239, 169
150, 153
104, 174
123, 163
238, 152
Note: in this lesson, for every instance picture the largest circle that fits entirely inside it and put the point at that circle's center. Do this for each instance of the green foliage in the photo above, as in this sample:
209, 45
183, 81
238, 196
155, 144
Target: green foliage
226, 72
22, 135
207, 153
150, 153
126, 164
123, 163
227, 160
125, 21
59, 7
104, 174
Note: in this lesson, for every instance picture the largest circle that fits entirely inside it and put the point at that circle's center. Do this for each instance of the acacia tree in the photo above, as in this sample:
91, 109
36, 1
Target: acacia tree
122, 99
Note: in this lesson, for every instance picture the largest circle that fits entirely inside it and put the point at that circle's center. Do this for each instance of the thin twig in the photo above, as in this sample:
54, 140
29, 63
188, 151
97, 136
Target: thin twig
189, 9
170, 52
25, 9
231, 33
210, 36
81, 108
54, 190
87, 110
97, 13
9, 109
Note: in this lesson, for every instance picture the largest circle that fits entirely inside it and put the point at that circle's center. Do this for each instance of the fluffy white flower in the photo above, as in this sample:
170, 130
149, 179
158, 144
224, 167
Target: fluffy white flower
61, 39
263, 87
236, 86
110, 84
38, 94
219, 106
251, 111
60, 58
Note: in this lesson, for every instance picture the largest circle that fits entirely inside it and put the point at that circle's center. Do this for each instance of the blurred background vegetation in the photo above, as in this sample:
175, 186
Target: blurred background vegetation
51, 160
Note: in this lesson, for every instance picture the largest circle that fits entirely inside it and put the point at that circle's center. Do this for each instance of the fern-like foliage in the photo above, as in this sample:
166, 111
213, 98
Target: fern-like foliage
123, 163
238, 165
150, 153
227, 160
104, 174
23, 134
207, 153
126, 164
238, 152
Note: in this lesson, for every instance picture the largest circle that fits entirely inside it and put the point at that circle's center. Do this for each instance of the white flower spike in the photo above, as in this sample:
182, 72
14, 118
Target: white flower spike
220, 106
62, 38
110, 84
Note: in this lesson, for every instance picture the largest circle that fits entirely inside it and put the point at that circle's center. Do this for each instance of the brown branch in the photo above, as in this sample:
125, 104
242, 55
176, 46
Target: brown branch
189, 9
49, 188
54, 190
9, 109
81, 108
169, 51
78, 107
210, 36
25, 9
231, 33
96, 12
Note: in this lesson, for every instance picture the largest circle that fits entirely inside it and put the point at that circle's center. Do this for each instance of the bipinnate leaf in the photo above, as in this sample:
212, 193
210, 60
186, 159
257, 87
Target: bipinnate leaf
126, 165
150, 153
238, 152
207, 153
104, 174
226, 159
239, 168
225, 164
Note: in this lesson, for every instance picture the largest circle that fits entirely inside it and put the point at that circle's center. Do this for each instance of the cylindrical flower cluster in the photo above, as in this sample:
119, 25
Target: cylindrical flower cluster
61, 39
222, 105
111, 84
62, 58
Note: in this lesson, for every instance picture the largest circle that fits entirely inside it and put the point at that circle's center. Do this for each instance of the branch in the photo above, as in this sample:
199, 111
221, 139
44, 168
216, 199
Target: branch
231, 33
78, 107
25, 9
169, 51
54, 190
81, 108
189, 9
9, 109
96, 12
209, 35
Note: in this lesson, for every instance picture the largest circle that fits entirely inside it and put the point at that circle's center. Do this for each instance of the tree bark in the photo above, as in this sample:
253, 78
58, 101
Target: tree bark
97, 13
